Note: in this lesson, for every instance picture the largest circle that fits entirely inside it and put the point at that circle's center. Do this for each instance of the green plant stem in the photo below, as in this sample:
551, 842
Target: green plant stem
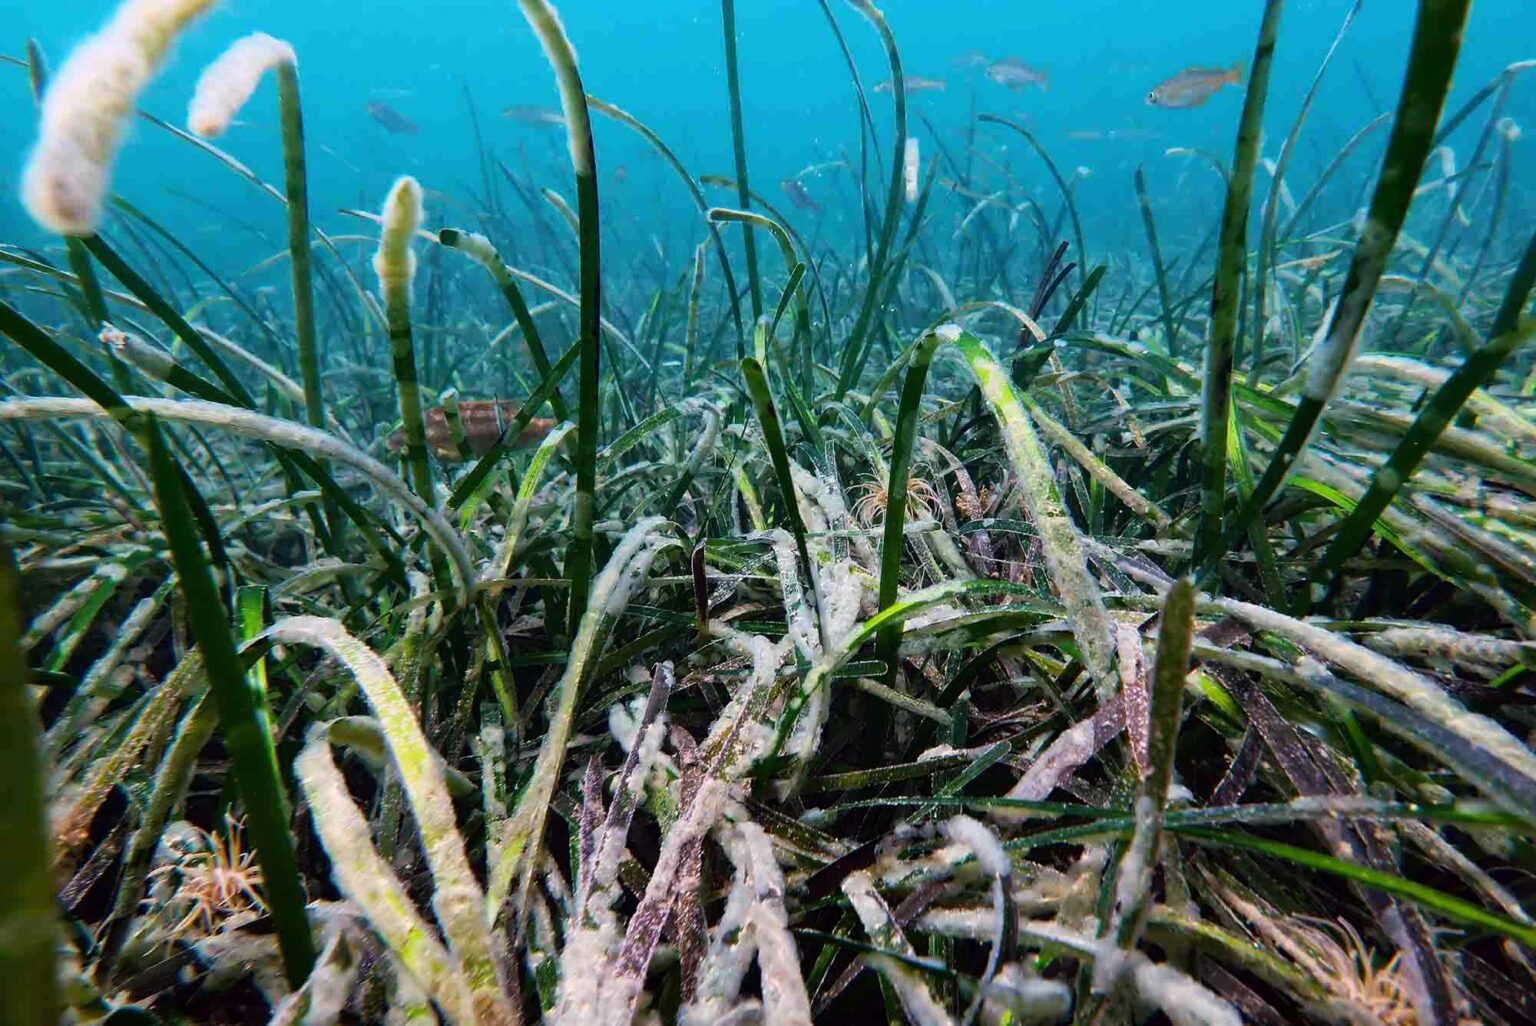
62, 362
1437, 414
739, 148
793, 288
296, 180
1170, 338
472, 483
691, 329
1316, 189
573, 100
1079, 301
578, 558
894, 542
1453, 908
732, 296
1264, 255
521, 854
135, 283
479, 249
1226, 300
195, 341
1431, 62
773, 437
853, 352
1133, 885
1061, 184
402, 354
243, 723
868, 136
29, 929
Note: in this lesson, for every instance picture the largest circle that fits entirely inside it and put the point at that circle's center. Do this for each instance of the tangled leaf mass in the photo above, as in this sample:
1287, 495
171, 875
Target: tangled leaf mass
925, 621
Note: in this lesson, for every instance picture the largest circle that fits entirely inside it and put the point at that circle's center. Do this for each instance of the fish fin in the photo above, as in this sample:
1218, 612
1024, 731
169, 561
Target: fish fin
1045, 83
1235, 73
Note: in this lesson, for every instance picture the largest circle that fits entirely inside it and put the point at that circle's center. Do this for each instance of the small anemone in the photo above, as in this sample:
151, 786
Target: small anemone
1339, 959
874, 497
217, 881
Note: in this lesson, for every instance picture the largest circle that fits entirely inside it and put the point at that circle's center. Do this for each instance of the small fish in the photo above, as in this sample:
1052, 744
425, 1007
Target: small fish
1112, 134
971, 60
1193, 86
530, 115
390, 118
797, 195
483, 421
914, 84
621, 174
1310, 263
1015, 74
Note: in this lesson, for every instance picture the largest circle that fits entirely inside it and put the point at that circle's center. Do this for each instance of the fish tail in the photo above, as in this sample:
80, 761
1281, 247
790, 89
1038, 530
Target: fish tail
1045, 82
1235, 73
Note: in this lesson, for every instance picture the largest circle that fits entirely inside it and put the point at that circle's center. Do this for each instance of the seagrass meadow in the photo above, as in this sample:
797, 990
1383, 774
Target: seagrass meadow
912, 594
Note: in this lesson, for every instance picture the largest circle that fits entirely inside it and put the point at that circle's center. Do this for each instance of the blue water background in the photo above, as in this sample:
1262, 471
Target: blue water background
662, 60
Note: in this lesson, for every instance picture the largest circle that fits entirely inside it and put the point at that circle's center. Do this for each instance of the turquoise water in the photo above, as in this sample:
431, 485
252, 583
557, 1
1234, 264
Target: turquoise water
662, 61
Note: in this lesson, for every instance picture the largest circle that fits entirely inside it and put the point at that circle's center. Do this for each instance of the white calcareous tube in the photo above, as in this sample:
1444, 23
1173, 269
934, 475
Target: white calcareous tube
395, 262
227, 84
86, 109
909, 169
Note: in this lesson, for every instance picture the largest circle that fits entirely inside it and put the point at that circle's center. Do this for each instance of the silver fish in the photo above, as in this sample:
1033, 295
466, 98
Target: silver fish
1015, 74
1193, 86
798, 195
390, 118
530, 115
914, 84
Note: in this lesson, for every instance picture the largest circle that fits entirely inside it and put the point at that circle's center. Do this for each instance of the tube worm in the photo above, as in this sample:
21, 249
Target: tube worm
226, 85
86, 109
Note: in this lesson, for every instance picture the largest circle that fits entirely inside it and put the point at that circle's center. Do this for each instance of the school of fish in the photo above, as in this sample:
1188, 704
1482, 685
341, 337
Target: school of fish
483, 422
